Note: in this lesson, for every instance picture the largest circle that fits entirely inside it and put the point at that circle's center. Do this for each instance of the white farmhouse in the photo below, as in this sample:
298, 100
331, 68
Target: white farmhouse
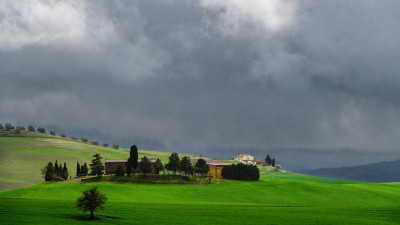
245, 158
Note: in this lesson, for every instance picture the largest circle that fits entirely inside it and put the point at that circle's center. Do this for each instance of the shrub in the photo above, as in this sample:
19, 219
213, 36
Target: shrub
31, 128
278, 166
116, 146
52, 132
94, 142
84, 139
63, 135
41, 130
105, 144
119, 171
74, 138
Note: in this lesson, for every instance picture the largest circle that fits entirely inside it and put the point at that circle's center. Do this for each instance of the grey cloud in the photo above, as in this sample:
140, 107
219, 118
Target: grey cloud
175, 74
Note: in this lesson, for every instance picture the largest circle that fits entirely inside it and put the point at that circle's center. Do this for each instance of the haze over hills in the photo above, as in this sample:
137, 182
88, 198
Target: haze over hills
375, 172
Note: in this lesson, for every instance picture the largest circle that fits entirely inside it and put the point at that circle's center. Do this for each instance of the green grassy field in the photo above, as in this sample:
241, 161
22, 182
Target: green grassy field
272, 201
22, 157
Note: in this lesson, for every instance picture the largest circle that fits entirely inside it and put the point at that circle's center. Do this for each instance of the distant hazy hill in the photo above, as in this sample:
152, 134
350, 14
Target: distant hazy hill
375, 172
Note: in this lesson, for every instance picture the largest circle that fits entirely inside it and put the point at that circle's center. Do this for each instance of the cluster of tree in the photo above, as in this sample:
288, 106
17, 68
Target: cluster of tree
51, 172
185, 165
269, 161
81, 169
241, 172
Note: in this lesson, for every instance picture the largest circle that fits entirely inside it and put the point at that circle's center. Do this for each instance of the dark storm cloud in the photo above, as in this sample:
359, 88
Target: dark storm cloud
207, 75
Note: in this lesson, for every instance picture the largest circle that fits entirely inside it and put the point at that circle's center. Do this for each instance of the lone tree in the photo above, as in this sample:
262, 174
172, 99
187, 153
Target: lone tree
158, 166
91, 200
145, 166
201, 167
97, 166
173, 164
133, 158
185, 165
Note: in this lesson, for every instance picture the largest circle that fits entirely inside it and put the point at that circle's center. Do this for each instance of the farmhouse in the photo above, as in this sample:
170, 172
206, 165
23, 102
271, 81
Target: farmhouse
216, 168
112, 164
245, 158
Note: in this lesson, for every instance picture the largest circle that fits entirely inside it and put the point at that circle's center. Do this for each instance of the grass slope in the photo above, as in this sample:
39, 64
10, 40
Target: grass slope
22, 158
273, 201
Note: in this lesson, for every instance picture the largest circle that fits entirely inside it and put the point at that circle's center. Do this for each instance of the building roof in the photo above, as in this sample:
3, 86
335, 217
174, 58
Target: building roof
116, 160
219, 164
126, 160
241, 155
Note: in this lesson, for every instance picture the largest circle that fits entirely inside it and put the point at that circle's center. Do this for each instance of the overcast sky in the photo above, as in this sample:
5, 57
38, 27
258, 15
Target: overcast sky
209, 75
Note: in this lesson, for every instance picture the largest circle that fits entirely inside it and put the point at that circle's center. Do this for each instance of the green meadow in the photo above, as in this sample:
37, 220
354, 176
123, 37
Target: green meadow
277, 198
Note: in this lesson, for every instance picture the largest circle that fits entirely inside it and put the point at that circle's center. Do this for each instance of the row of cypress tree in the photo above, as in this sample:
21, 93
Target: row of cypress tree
81, 170
241, 172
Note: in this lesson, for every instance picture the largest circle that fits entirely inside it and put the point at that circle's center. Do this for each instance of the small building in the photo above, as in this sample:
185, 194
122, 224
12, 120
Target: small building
245, 158
216, 168
112, 164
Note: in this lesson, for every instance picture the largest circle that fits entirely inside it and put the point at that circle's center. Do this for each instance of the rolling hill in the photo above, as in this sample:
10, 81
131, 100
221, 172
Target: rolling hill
375, 172
23, 156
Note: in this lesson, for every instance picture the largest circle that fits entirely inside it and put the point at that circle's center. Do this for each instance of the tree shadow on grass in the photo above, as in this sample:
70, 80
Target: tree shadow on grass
86, 217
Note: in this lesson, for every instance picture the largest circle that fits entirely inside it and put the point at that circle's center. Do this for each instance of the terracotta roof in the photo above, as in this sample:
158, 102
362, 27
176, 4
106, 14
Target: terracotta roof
126, 160
219, 164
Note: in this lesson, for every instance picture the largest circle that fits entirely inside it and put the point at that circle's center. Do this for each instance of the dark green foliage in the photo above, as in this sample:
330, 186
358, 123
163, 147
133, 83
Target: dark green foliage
52, 132
173, 163
48, 172
158, 166
9, 126
241, 172
273, 162
145, 166
91, 200
133, 158
78, 169
119, 171
1, 127
84, 139
185, 165
63, 135
31, 128
201, 167
128, 167
56, 167
97, 166
94, 142
41, 130
268, 160
18, 130
105, 144
65, 173
74, 138
85, 169
116, 146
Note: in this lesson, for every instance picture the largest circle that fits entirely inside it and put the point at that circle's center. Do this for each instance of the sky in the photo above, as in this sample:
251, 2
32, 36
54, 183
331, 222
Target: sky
210, 77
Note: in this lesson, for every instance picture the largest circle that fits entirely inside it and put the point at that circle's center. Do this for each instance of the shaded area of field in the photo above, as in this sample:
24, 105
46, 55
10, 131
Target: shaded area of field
261, 202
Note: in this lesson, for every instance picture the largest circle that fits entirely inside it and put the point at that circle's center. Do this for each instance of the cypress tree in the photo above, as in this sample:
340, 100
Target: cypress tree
85, 169
78, 169
128, 167
134, 158
273, 162
56, 168
268, 160
65, 172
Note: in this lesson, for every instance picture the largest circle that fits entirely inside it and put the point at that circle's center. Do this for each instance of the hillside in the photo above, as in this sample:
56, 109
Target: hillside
375, 172
22, 157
